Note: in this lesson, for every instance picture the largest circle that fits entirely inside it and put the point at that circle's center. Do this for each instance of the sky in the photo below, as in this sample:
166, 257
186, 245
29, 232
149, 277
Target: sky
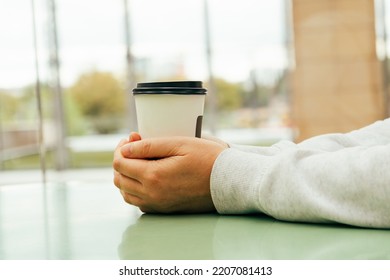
246, 34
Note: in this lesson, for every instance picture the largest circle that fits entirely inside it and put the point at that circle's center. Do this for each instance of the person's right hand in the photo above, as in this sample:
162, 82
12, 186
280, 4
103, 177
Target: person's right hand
166, 175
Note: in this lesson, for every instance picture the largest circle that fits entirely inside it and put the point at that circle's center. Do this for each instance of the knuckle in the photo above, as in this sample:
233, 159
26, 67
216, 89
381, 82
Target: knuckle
142, 204
127, 199
146, 147
117, 180
144, 209
116, 163
147, 210
153, 177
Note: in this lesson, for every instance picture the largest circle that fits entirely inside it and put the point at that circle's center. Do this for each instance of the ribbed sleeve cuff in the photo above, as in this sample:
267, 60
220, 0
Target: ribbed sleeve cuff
236, 180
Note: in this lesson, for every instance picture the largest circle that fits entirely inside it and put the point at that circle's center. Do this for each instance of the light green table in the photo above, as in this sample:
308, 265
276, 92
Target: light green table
89, 220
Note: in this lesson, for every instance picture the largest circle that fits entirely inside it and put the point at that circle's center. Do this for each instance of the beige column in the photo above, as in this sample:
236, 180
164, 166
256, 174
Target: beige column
336, 83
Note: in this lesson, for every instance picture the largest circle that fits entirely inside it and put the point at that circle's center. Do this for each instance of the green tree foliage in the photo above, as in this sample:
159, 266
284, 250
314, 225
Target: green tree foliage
9, 106
229, 95
22, 105
76, 124
28, 107
101, 99
28, 102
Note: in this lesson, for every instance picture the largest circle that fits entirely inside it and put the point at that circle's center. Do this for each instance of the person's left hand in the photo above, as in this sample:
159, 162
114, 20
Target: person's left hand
166, 175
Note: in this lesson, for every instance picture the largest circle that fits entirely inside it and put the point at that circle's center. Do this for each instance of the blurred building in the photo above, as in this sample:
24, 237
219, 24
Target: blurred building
336, 83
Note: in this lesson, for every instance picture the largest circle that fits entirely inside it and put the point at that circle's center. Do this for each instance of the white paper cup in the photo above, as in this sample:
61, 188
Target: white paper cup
169, 108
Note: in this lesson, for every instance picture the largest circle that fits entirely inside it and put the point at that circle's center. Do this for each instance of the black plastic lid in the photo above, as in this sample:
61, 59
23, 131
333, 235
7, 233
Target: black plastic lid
173, 87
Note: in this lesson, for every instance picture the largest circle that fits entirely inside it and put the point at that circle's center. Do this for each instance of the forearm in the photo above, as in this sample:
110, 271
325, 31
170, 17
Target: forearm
377, 133
374, 134
349, 186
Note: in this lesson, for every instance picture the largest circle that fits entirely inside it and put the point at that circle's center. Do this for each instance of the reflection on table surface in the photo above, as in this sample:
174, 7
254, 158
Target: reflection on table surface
89, 220
73, 220
247, 237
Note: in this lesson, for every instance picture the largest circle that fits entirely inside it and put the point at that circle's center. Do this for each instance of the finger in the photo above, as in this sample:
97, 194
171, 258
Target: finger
132, 168
117, 149
131, 199
136, 201
117, 179
154, 147
128, 185
121, 143
131, 185
134, 136
126, 167
118, 158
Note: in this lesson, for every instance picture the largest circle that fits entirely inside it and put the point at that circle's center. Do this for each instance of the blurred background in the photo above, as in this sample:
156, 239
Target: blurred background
281, 69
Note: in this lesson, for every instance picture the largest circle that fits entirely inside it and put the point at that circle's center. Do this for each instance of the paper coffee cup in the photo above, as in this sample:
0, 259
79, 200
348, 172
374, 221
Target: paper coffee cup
169, 108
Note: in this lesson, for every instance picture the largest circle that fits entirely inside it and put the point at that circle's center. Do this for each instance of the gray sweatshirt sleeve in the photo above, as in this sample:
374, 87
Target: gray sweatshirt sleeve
330, 178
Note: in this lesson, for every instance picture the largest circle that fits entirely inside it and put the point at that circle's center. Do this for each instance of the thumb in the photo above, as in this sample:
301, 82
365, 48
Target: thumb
153, 148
